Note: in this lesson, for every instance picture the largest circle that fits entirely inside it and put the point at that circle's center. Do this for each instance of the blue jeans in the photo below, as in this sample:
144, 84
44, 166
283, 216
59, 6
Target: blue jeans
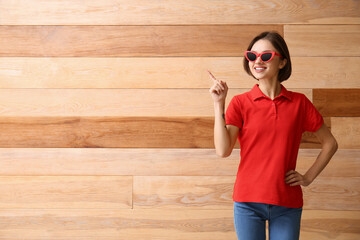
250, 221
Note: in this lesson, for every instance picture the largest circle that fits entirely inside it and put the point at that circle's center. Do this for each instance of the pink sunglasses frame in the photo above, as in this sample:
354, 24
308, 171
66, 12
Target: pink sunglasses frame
260, 54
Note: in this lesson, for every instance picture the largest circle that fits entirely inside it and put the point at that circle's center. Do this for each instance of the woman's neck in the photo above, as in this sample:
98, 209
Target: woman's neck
271, 89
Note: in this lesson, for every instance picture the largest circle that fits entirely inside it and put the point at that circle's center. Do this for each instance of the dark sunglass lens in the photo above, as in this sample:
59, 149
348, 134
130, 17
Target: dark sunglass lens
251, 56
266, 57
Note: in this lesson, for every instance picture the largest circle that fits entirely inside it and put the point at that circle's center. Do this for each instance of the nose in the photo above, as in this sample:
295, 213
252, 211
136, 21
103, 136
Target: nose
258, 60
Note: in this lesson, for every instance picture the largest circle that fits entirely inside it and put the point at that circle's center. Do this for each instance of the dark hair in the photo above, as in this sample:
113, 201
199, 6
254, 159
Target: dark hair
280, 45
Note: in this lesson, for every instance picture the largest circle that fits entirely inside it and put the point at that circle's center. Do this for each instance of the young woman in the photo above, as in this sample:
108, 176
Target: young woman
268, 121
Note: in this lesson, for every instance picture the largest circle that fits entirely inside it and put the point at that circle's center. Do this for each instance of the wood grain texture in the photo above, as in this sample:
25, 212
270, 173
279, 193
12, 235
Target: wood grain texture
344, 162
323, 41
104, 132
333, 194
317, 224
120, 161
152, 162
324, 72
337, 102
111, 224
66, 192
113, 102
188, 132
205, 192
128, 41
159, 72
180, 224
210, 192
346, 130
122, 12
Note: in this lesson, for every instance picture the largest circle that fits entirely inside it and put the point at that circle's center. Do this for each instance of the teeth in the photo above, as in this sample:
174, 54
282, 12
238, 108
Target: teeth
259, 68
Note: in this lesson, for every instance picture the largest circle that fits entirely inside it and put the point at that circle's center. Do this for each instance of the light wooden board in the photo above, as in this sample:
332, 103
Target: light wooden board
346, 130
116, 224
152, 162
337, 102
66, 192
337, 225
180, 224
113, 102
135, 132
122, 12
159, 72
323, 40
205, 192
333, 193
128, 41
119, 161
344, 162
211, 192
324, 72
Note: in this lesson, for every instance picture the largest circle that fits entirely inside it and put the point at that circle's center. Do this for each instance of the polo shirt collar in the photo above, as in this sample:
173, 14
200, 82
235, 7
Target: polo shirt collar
257, 93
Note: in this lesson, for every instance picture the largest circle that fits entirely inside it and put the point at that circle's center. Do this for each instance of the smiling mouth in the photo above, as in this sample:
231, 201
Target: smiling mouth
259, 69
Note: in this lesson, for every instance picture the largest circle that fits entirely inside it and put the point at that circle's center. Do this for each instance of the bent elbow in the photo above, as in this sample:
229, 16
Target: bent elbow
333, 145
223, 154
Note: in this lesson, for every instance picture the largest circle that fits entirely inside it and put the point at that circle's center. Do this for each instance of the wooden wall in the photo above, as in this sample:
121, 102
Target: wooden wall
106, 120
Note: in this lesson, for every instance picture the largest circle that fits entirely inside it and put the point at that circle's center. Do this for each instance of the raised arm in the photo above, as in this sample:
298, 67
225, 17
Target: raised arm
224, 135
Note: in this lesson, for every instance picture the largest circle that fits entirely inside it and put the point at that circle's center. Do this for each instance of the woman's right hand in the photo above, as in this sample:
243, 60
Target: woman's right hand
218, 90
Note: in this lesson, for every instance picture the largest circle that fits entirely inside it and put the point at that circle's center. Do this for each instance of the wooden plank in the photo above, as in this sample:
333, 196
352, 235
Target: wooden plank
66, 192
137, 12
111, 224
327, 193
131, 72
143, 132
339, 225
118, 161
344, 163
181, 224
158, 72
128, 41
112, 102
104, 132
207, 192
152, 162
334, 72
346, 130
337, 102
211, 192
323, 41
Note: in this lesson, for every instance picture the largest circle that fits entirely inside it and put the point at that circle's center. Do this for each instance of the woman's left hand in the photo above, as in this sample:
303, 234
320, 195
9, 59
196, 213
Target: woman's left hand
294, 178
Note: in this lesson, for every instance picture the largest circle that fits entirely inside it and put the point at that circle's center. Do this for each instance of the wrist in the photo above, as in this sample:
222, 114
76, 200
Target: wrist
219, 106
308, 178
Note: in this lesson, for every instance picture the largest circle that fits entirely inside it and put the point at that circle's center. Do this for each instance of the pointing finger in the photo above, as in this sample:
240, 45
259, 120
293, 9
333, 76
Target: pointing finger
212, 76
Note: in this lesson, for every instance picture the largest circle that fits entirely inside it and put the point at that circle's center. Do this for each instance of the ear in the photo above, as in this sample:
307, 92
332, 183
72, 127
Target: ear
282, 63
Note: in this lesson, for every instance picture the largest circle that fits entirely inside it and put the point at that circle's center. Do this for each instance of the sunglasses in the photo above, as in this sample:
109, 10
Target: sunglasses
264, 56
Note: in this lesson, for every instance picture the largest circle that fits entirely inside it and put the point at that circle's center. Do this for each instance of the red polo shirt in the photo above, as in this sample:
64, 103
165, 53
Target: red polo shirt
269, 136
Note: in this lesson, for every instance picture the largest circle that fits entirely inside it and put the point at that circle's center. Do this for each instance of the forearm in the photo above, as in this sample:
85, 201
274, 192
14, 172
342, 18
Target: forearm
221, 135
328, 150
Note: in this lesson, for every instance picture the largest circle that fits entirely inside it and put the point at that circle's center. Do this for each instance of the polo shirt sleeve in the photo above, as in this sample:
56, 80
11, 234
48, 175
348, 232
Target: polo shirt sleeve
313, 119
233, 113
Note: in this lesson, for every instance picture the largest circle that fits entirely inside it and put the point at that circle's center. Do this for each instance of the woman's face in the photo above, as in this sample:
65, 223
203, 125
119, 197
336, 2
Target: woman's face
268, 70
